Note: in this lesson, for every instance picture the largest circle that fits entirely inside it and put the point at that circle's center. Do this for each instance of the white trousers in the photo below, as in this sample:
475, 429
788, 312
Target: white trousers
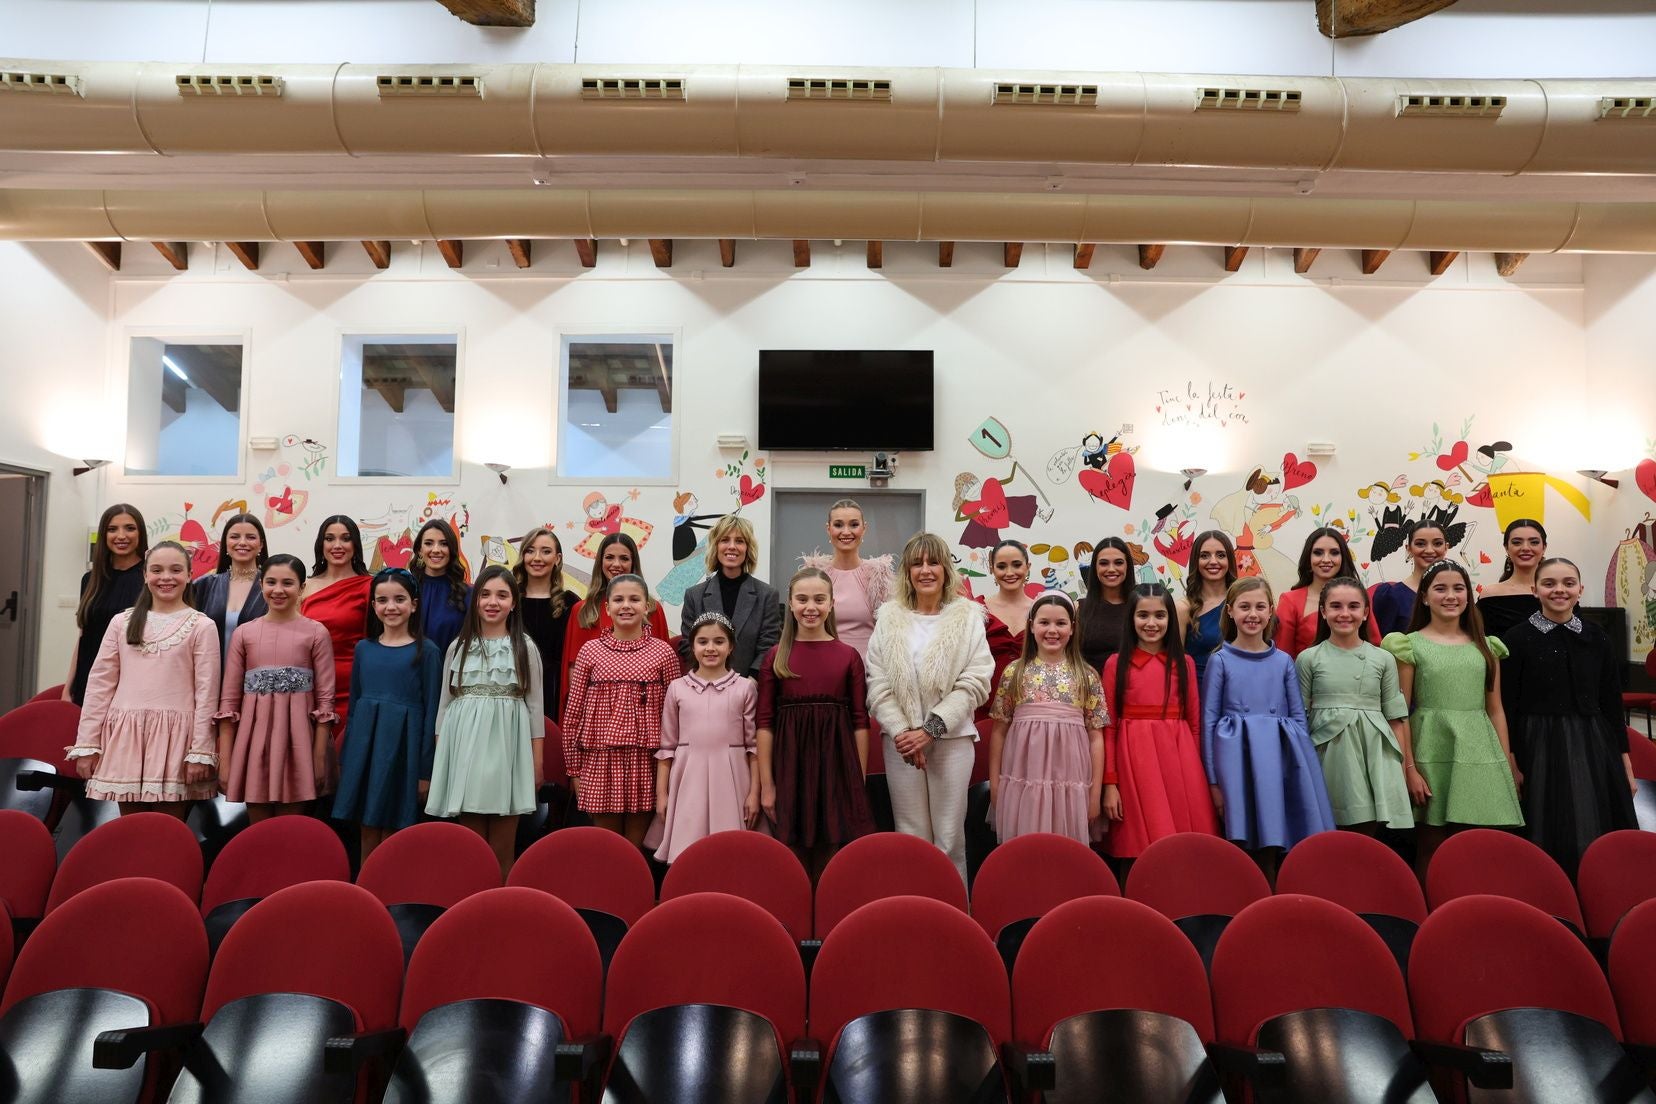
931, 803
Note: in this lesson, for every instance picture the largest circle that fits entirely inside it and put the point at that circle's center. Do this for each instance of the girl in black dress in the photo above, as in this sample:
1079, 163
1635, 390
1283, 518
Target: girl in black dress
114, 584
546, 607
1103, 611
1510, 602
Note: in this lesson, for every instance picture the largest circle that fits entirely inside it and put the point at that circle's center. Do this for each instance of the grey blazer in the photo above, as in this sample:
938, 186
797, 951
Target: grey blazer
757, 619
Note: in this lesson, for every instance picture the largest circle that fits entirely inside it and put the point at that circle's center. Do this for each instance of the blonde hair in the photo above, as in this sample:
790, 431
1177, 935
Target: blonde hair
727, 526
520, 573
926, 546
790, 626
848, 504
1227, 626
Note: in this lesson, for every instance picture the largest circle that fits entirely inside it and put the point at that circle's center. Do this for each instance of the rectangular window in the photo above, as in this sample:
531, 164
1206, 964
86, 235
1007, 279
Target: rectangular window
396, 405
184, 406
616, 408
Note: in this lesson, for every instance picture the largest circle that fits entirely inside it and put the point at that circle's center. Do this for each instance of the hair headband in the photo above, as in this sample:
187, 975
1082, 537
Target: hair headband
1440, 566
711, 618
1059, 595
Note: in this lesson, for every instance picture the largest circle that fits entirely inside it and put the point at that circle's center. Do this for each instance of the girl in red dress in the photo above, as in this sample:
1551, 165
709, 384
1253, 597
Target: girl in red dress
336, 595
1325, 556
1008, 611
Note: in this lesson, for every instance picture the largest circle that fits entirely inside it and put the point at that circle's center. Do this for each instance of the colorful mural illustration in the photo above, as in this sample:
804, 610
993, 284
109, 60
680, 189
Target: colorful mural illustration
1630, 582
1253, 516
603, 518
1211, 403
311, 454
982, 502
1106, 470
689, 546
390, 536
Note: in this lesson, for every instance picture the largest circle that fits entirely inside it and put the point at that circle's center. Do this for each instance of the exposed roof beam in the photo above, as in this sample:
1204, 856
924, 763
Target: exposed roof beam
945, 254
802, 253
661, 251
1150, 256
1350, 18
1507, 263
664, 381
379, 252
440, 384
727, 252
1084, 254
612, 400
519, 249
1373, 259
394, 393
1011, 254
203, 367
1233, 257
245, 252
453, 251
876, 254
314, 252
587, 250
1304, 259
177, 253
1439, 260
493, 13
109, 252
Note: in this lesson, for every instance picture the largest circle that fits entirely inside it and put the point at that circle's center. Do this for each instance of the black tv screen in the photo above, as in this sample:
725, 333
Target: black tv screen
823, 399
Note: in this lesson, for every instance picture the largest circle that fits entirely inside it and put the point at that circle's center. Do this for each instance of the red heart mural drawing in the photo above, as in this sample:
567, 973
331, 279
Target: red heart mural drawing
748, 492
1296, 472
1645, 476
1115, 483
1454, 458
396, 553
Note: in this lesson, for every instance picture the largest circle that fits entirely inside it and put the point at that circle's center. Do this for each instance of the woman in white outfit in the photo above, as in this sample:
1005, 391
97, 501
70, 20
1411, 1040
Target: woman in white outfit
928, 669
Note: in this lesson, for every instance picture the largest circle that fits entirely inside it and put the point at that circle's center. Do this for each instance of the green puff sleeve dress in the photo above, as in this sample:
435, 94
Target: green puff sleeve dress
485, 758
1455, 745
1351, 698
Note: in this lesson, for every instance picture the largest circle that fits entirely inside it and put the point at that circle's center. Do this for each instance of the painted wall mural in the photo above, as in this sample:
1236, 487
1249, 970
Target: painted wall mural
746, 487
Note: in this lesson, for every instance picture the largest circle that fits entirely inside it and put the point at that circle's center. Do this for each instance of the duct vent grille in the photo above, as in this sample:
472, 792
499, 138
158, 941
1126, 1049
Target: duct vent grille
1627, 107
61, 84
819, 88
1046, 95
1487, 107
220, 84
1248, 99
427, 84
632, 88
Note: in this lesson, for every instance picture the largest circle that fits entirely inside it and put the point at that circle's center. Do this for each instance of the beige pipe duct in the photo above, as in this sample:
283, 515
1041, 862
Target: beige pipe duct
887, 215
943, 116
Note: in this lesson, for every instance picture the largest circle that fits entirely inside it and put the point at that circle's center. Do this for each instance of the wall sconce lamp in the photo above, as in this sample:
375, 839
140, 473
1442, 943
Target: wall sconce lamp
500, 470
90, 465
1598, 475
1191, 475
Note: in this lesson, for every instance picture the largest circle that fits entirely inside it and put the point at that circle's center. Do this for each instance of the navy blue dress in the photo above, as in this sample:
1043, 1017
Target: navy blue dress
1203, 639
439, 616
1393, 604
390, 734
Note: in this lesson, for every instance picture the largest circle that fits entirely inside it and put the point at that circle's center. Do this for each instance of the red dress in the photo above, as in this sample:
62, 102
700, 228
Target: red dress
1297, 627
1005, 646
342, 608
820, 796
1153, 752
612, 721
576, 637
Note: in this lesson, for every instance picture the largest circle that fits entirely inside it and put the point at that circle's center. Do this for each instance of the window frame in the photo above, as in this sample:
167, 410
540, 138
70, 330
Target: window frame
640, 334
345, 334
123, 388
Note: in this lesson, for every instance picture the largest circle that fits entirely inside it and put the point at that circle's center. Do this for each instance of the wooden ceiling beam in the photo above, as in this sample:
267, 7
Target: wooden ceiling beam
314, 252
1084, 254
245, 252
440, 384
661, 251
1439, 260
493, 13
177, 253
802, 253
394, 394
453, 251
876, 254
1304, 259
1352, 18
519, 249
1373, 259
1150, 256
663, 381
727, 252
1011, 253
222, 384
1234, 255
107, 252
172, 392
612, 398
1507, 263
587, 250
379, 252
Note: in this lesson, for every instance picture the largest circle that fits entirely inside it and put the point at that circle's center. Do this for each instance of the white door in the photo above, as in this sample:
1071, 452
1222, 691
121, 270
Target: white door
21, 542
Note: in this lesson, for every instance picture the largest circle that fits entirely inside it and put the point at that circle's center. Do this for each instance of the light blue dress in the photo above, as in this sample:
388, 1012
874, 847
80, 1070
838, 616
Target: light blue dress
1256, 749
487, 722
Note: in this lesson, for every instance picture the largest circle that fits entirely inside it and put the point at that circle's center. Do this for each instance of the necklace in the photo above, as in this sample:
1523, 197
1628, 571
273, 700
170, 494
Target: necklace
239, 575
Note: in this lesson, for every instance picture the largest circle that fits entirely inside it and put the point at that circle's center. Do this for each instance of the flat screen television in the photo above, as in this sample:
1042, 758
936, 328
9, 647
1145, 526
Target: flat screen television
827, 399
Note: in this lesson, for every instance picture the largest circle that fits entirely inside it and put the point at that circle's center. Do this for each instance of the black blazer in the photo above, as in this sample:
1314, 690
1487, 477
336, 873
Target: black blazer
212, 597
757, 620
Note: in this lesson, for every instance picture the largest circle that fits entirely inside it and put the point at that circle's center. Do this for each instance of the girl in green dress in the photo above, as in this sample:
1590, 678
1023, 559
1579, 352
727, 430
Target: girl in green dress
1450, 674
1357, 715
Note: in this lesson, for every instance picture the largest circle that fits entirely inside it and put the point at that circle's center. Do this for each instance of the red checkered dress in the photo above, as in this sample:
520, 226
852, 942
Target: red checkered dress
612, 721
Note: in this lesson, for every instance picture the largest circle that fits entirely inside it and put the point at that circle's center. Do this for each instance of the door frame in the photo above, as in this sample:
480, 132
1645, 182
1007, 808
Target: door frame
31, 590
861, 493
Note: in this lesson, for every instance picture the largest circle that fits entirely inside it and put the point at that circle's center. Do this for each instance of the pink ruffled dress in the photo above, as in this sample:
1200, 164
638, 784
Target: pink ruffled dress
1046, 761
278, 686
149, 709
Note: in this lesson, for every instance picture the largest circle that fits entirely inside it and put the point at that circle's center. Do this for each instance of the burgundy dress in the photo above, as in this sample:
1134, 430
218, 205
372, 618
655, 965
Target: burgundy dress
1005, 646
820, 797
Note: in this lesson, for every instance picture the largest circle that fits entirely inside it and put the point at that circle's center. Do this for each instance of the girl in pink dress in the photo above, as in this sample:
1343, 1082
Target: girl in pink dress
1046, 750
276, 712
146, 728
860, 586
1154, 782
707, 772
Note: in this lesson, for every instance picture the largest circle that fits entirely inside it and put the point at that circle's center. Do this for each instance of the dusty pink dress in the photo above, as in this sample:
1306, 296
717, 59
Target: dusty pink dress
1046, 760
278, 685
149, 709
707, 731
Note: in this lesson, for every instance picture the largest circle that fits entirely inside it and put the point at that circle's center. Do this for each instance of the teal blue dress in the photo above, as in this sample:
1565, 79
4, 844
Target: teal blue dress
486, 722
390, 733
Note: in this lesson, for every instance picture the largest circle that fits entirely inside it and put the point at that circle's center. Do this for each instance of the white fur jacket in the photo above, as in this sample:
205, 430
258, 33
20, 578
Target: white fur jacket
951, 679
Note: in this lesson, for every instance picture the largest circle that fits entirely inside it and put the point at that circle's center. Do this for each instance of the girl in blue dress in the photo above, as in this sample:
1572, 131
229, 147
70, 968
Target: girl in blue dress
391, 733
443, 590
1267, 780
1212, 571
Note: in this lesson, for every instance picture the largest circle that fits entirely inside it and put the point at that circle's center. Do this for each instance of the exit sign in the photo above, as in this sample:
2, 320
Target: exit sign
847, 471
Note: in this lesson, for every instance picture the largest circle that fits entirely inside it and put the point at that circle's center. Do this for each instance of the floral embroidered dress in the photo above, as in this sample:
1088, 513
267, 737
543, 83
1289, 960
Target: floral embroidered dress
278, 686
1046, 762
149, 709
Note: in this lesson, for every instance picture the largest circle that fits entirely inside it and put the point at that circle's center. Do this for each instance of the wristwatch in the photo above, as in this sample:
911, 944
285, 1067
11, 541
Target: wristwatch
935, 727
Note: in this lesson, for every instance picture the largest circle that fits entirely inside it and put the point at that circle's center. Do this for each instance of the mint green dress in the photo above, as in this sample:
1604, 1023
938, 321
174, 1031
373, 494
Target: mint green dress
485, 761
1351, 698
1455, 745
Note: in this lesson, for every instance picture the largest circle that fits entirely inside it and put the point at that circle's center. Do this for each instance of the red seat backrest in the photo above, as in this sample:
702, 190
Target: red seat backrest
708, 948
749, 865
1483, 860
134, 935
1481, 954
327, 938
1633, 972
40, 730
1618, 871
909, 952
553, 768
1642, 751
885, 864
30, 862
1099, 953
1030, 875
508, 944
1195, 874
142, 845
272, 855
1353, 870
589, 868
435, 863
51, 693
1292, 952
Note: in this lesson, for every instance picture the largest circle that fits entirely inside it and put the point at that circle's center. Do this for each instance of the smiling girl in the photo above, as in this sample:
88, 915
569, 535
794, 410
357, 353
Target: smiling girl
1324, 557
1009, 606
1213, 570
336, 595
1103, 612
861, 586
113, 584
617, 555
443, 589
1394, 602
1511, 601
232, 595
547, 607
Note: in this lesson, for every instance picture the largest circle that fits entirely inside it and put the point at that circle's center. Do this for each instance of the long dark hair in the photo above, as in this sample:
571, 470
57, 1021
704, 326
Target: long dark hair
1348, 566
521, 574
1336, 583
455, 572
586, 615
1095, 586
1470, 621
1172, 647
103, 567
470, 630
146, 601
224, 543
404, 578
1193, 577
1506, 535
358, 565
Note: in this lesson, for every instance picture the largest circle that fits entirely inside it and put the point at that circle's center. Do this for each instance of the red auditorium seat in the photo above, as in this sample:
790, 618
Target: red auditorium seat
142, 845
903, 969
1199, 882
1642, 752
497, 983
32, 739
123, 956
1642, 701
1026, 877
885, 864
1633, 976
1307, 979
51, 693
1363, 875
1617, 872
1122, 1028
1501, 976
1483, 860
266, 857
426, 868
749, 865
605, 878
27, 871
704, 997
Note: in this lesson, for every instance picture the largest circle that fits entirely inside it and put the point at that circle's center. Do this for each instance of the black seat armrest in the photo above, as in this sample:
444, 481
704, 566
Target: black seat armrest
50, 780
349, 1053
1644, 1054
1032, 1070
582, 1061
1266, 1069
121, 1049
1486, 1069
805, 1063
808, 951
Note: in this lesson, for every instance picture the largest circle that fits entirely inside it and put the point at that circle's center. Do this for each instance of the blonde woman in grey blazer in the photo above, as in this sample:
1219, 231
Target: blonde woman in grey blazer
752, 607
